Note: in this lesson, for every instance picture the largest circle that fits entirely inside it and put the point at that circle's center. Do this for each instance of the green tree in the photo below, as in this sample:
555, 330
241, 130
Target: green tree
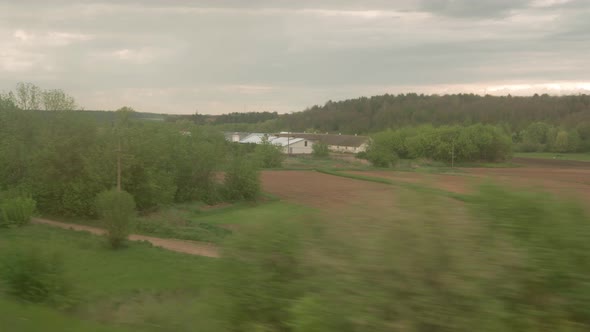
561, 143
117, 210
58, 100
268, 154
380, 152
28, 96
16, 210
320, 150
242, 180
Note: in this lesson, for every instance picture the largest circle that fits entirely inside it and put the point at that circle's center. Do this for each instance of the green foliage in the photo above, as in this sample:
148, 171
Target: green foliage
58, 100
117, 210
37, 277
142, 288
260, 275
378, 113
269, 155
473, 143
541, 137
320, 150
552, 236
379, 151
16, 211
519, 263
242, 180
65, 159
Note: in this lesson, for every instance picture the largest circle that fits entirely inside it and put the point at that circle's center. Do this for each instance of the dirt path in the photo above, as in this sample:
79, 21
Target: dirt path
186, 247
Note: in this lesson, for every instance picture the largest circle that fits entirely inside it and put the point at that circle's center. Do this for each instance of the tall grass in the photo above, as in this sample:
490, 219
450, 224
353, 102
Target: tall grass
503, 261
16, 211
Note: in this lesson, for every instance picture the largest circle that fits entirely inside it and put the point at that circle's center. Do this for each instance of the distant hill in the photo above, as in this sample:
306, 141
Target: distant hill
364, 115
108, 116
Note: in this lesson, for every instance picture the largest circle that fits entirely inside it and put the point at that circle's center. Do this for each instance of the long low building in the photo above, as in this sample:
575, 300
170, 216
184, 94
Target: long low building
336, 143
289, 145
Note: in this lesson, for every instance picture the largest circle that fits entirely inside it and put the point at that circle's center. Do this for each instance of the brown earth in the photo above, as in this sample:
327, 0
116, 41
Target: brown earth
325, 191
563, 180
573, 182
182, 246
553, 163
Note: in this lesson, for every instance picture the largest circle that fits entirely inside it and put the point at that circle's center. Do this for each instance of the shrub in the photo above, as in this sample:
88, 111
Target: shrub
361, 155
269, 155
36, 277
320, 150
380, 155
242, 180
16, 211
117, 210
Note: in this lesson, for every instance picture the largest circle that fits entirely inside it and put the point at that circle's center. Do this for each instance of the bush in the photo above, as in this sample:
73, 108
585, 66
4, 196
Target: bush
35, 277
446, 143
320, 150
242, 180
380, 155
16, 211
361, 155
117, 210
269, 155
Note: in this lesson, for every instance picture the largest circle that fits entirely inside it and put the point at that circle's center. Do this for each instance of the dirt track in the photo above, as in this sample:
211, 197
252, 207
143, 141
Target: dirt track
186, 247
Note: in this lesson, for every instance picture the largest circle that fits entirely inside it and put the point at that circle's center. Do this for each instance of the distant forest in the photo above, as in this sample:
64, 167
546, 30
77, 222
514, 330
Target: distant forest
367, 115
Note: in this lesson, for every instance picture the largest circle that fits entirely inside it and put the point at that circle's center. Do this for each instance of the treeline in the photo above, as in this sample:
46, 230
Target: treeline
367, 115
445, 143
545, 137
235, 118
64, 159
28, 96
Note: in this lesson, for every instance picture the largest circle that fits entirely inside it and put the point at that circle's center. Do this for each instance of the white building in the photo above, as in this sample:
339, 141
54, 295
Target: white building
294, 145
336, 143
288, 144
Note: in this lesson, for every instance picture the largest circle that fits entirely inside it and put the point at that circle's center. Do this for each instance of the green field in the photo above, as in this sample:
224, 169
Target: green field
197, 222
552, 155
137, 288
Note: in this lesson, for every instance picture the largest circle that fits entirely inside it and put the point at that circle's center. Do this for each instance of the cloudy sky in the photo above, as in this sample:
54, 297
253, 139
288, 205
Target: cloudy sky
218, 56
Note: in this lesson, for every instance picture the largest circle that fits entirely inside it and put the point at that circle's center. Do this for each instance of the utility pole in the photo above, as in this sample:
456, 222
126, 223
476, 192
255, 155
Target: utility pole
453, 155
119, 166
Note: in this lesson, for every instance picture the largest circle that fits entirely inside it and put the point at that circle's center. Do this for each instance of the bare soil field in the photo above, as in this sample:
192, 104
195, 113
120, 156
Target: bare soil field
565, 178
326, 191
553, 163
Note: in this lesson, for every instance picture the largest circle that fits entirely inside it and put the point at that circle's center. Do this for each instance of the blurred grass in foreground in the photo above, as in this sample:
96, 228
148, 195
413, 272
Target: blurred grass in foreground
504, 260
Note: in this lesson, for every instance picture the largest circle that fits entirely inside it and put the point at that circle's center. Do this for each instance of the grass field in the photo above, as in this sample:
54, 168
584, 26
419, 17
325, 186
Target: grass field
137, 288
552, 155
142, 288
197, 222
338, 161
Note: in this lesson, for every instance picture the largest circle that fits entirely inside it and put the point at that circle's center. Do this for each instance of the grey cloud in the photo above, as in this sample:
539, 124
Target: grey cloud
223, 56
470, 8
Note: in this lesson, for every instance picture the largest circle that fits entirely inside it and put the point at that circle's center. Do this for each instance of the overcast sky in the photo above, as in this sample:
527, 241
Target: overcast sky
221, 56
